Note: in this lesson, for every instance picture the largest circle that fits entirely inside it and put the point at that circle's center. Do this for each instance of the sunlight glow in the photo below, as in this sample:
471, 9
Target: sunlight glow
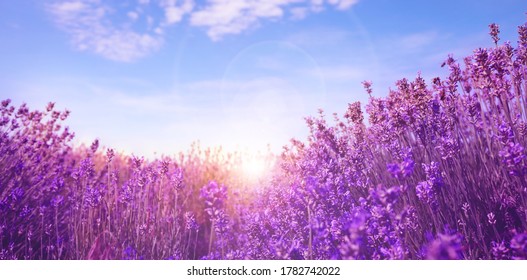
254, 168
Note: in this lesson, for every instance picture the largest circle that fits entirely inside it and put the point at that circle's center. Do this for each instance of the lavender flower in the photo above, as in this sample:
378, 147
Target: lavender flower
445, 247
491, 218
519, 246
494, 31
500, 250
513, 156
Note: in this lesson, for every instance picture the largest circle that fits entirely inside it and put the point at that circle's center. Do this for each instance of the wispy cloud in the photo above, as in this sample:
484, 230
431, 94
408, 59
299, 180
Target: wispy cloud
298, 13
343, 4
418, 40
89, 25
93, 27
174, 11
223, 17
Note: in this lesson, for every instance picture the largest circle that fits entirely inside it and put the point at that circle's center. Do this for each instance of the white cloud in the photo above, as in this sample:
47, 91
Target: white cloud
173, 12
299, 13
92, 27
223, 17
418, 40
173, 15
343, 4
158, 31
72, 6
89, 25
317, 5
133, 15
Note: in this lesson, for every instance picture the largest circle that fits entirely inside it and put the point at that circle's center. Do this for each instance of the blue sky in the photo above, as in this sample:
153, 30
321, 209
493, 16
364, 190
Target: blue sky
150, 77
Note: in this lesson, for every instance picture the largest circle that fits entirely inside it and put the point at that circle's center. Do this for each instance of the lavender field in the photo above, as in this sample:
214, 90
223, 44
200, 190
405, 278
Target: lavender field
437, 170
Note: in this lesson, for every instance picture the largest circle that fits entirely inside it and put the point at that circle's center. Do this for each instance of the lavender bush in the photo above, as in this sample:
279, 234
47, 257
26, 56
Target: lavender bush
438, 171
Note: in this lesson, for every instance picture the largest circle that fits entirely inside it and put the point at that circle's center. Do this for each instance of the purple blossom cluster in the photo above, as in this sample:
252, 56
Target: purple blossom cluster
434, 170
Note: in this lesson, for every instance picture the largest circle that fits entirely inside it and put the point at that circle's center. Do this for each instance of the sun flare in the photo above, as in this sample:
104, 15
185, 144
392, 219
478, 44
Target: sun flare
254, 168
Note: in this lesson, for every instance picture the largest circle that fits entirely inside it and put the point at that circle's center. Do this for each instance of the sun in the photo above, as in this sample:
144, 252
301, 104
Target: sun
254, 168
